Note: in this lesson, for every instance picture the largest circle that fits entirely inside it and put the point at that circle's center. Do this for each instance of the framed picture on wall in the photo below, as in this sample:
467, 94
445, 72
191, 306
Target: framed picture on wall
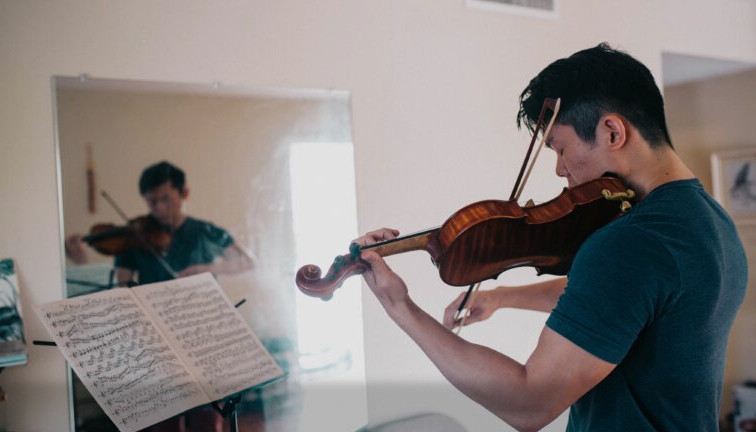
734, 180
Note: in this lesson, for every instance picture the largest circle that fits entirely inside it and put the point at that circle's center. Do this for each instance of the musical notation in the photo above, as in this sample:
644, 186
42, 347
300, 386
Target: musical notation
115, 349
153, 351
214, 340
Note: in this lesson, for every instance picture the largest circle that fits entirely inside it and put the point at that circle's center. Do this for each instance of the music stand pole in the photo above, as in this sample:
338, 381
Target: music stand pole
228, 410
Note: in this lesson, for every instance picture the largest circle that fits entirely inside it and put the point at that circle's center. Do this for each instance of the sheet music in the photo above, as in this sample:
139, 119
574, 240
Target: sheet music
209, 333
119, 355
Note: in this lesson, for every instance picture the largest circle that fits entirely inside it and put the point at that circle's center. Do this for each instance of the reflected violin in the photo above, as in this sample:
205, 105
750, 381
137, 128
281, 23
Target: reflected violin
143, 233
485, 238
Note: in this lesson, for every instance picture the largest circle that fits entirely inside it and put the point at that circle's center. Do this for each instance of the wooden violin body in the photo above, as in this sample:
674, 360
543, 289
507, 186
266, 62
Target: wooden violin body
486, 238
143, 232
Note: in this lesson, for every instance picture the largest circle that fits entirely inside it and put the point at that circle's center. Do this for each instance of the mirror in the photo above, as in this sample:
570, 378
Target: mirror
273, 168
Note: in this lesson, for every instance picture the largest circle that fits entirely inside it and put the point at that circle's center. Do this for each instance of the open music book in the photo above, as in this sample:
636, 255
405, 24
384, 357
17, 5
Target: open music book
154, 351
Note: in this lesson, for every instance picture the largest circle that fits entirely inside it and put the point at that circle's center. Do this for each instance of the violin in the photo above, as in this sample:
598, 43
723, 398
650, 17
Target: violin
485, 238
143, 233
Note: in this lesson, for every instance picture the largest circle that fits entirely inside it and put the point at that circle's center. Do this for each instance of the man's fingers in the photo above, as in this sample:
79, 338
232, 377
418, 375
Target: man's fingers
377, 264
451, 311
384, 234
376, 236
458, 301
472, 318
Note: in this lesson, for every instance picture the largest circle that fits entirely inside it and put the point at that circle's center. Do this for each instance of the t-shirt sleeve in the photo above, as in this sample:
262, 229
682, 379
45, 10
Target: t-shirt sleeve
615, 288
218, 237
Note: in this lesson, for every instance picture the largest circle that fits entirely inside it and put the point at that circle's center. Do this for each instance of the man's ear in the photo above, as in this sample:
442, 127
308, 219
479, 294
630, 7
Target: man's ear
612, 130
185, 193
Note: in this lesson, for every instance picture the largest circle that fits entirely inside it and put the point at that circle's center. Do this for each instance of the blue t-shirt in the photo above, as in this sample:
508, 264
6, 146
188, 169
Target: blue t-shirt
656, 292
194, 242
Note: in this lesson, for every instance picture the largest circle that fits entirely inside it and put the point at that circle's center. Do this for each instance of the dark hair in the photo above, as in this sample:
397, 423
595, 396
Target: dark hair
159, 173
594, 82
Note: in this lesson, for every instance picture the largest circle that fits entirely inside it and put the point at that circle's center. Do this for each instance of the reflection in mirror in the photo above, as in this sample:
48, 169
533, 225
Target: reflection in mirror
269, 184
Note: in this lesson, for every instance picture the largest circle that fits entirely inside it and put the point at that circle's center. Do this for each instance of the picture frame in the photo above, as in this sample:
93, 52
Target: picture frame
734, 183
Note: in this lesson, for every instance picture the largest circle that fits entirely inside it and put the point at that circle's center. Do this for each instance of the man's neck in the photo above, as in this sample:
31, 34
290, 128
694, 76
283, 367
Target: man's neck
178, 222
652, 168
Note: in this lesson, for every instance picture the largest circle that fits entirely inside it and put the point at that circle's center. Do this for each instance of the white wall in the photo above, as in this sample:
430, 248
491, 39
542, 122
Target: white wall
434, 88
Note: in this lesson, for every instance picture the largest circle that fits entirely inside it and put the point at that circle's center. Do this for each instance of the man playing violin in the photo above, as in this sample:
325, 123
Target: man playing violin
637, 332
196, 246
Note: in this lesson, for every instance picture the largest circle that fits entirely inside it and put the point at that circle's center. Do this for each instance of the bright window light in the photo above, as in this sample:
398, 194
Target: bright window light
329, 333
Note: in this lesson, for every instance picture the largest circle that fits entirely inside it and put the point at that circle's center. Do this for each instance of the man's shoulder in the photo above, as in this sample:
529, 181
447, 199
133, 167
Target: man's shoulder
624, 244
622, 232
193, 223
204, 229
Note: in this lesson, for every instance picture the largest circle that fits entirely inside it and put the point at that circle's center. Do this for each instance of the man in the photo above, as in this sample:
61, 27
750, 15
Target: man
637, 334
196, 246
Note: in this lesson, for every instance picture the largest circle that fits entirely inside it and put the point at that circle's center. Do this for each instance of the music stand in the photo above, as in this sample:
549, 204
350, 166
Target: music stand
227, 410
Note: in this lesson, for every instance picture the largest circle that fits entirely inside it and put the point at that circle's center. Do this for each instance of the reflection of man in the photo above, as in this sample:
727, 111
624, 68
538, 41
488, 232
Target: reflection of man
196, 246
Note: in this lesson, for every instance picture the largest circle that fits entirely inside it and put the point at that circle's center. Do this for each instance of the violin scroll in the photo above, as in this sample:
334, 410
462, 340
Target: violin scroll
344, 266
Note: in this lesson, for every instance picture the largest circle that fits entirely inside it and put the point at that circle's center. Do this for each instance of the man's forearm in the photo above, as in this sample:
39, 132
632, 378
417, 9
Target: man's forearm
235, 260
495, 381
541, 296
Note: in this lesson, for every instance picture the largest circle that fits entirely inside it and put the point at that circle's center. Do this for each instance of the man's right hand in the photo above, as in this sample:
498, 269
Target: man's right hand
484, 304
539, 296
